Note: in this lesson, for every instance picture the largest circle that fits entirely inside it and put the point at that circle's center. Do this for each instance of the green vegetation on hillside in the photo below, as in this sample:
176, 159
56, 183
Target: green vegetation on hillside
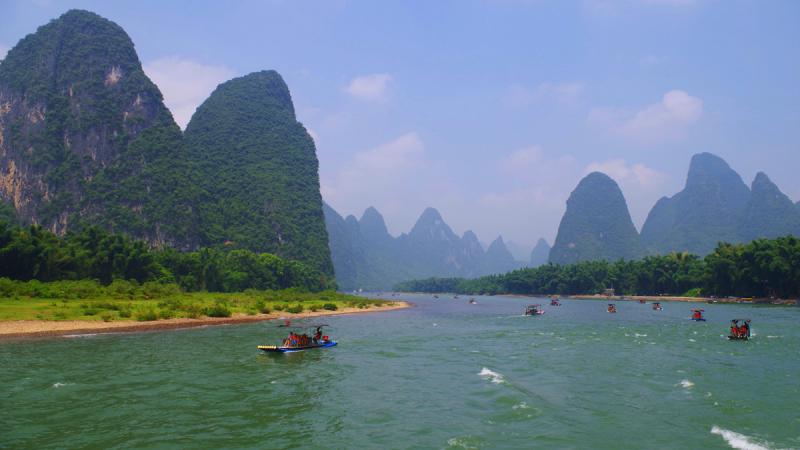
257, 166
34, 253
762, 268
596, 224
90, 136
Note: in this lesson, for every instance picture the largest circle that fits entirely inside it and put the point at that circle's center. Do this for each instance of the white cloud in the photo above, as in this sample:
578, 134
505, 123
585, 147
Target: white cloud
185, 83
374, 87
380, 176
651, 60
3, 51
564, 93
668, 118
629, 174
521, 159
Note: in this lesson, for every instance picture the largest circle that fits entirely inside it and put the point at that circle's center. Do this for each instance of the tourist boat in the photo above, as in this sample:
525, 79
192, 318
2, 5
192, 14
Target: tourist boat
697, 315
554, 302
534, 310
282, 349
309, 344
612, 308
737, 336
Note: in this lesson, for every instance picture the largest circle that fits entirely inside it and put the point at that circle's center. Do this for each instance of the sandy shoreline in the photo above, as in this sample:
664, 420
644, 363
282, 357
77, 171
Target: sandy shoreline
18, 329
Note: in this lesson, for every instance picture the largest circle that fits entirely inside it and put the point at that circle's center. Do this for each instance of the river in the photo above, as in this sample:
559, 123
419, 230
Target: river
443, 374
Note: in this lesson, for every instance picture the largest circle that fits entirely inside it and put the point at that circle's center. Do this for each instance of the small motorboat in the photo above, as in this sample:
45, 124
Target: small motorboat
554, 302
472, 301
534, 310
642, 301
657, 307
612, 308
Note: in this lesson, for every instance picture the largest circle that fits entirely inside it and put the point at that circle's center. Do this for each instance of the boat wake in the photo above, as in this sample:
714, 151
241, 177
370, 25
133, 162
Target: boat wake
686, 384
488, 374
737, 440
59, 384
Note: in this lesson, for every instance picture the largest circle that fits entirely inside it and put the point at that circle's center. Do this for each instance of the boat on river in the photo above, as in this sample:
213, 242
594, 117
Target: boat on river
612, 308
697, 315
534, 310
301, 342
282, 349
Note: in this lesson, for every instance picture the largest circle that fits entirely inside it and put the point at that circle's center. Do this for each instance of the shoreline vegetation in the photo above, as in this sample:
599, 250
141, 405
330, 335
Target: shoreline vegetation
765, 269
23, 329
35, 308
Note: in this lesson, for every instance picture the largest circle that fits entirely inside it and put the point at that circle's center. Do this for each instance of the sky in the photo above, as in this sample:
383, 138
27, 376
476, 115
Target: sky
490, 111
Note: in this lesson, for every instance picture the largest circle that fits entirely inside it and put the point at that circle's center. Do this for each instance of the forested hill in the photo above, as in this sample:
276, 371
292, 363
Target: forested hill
761, 268
258, 169
596, 225
86, 139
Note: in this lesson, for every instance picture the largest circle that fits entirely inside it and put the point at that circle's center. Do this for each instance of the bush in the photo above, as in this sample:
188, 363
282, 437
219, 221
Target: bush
280, 307
218, 310
166, 314
296, 309
125, 312
90, 311
194, 311
330, 306
146, 315
107, 316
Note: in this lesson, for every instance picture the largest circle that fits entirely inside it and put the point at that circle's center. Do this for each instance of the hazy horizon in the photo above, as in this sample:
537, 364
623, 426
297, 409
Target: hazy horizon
490, 110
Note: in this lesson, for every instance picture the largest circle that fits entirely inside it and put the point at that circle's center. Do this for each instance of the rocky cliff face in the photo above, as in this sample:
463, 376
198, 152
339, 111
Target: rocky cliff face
708, 210
769, 213
596, 225
86, 139
258, 168
540, 253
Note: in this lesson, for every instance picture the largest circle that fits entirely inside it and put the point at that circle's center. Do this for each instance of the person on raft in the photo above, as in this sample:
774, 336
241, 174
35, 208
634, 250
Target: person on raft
697, 314
740, 331
317, 335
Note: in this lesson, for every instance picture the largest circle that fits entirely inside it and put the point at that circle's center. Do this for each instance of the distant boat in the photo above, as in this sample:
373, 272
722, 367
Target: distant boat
534, 310
472, 301
612, 308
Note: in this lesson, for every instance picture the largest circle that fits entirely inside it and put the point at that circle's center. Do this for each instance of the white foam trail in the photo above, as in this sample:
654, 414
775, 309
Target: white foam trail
737, 440
59, 384
521, 405
687, 384
490, 375
692, 340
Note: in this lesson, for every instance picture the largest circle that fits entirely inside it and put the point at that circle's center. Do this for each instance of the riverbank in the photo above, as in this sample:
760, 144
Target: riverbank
655, 298
17, 329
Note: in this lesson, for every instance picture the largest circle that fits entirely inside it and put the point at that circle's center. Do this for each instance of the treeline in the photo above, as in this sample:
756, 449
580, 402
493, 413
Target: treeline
761, 268
34, 253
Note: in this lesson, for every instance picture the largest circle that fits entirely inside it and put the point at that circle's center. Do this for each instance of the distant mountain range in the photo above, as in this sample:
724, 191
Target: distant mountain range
366, 256
714, 206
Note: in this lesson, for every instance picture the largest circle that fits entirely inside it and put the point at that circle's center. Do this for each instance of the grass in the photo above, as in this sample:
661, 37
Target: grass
128, 301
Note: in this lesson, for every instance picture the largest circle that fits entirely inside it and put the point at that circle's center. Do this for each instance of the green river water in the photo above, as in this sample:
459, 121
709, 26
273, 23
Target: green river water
443, 374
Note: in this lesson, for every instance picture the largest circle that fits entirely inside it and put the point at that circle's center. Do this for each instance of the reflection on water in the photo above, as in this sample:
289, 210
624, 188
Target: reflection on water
442, 374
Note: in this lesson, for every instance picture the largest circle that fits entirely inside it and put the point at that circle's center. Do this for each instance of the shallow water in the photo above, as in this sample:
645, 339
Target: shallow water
444, 374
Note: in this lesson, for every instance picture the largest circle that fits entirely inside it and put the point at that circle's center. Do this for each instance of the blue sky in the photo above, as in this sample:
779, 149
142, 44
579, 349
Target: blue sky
490, 110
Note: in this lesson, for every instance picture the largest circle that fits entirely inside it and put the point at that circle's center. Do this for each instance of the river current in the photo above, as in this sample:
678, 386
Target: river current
442, 374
